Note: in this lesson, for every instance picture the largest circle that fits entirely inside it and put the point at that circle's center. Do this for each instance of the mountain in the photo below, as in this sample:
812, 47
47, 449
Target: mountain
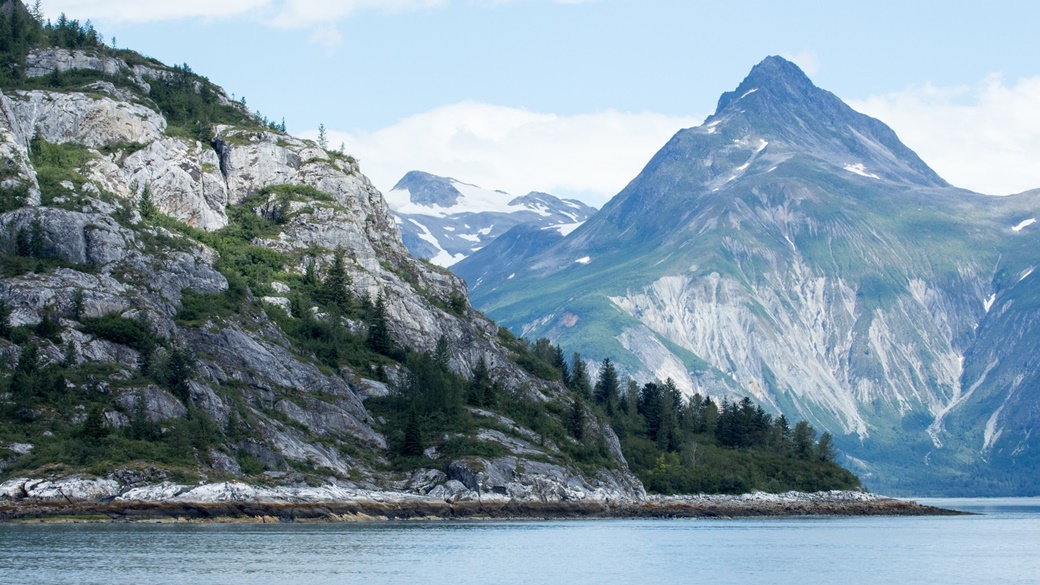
189, 296
444, 220
794, 250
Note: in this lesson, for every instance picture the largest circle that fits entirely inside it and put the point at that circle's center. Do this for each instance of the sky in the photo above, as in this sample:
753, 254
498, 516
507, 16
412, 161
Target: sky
573, 97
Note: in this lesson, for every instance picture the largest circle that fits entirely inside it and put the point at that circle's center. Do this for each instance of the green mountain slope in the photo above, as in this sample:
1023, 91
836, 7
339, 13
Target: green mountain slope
793, 250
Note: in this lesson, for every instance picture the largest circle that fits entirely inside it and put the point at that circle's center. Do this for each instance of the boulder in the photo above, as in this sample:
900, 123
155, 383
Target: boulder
158, 404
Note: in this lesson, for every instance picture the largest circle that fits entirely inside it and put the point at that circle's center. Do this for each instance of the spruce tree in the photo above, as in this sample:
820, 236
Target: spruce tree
334, 291
608, 387
442, 353
379, 339
576, 421
413, 443
580, 377
480, 386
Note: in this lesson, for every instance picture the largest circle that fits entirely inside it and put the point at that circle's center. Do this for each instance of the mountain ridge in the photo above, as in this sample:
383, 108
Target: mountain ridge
444, 220
794, 250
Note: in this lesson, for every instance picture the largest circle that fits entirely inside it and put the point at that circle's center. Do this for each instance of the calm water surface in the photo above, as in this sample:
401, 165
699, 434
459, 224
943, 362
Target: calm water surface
1000, 546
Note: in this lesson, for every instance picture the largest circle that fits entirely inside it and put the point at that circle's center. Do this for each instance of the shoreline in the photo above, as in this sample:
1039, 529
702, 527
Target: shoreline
396, 506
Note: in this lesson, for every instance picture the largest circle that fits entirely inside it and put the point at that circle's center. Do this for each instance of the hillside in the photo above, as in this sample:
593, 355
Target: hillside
189, 294
794, 251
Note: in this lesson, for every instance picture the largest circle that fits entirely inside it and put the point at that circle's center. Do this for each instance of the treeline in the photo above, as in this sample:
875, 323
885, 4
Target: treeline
678, 444
191, 104
23, 31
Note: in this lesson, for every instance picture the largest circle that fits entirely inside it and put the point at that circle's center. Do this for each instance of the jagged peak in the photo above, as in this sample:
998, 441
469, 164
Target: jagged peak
777, 78
780, 104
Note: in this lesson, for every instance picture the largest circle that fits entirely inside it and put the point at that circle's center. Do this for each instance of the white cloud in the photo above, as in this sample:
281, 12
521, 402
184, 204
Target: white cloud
807, 61
304, 13
984, 138
327, 36
138, 11
280, 13
589, 156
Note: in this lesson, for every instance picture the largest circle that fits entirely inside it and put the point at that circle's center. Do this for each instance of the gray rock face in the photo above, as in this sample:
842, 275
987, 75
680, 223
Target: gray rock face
157, 404
513, 479
43, 62
15, 168
183, 179
92, 120
78, 238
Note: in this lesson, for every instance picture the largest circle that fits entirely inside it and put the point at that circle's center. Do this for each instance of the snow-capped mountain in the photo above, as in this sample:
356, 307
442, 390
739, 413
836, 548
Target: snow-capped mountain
794, 250
444, 220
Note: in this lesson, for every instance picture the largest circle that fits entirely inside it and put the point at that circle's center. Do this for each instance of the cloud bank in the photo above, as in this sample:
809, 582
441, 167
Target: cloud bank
985, 138
587, 156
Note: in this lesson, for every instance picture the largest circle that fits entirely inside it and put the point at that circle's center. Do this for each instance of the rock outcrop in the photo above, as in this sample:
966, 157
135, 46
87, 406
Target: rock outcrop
23, 499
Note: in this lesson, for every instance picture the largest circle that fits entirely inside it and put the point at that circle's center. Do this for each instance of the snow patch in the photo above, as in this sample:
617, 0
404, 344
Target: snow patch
470, 237
749, 92
486, 230
1026, 274
1024, 224
988, 303
564, 228
474, 200
584, 260
860, 170
442, 258
511, 276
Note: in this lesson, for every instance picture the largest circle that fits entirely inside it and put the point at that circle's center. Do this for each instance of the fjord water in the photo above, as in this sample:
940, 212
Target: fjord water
997, 546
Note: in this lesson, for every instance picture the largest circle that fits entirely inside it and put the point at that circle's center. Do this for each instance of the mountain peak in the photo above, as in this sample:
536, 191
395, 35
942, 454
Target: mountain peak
427, 189
780, 105
775, 77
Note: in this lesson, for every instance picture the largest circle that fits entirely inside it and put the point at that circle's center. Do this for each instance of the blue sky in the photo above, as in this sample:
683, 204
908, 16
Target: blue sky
573, 97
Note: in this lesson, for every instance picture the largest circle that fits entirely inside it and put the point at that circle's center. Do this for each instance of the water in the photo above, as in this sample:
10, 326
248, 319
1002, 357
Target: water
1000, 546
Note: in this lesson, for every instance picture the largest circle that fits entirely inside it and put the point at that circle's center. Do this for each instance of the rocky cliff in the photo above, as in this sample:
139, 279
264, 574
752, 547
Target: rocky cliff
155, 285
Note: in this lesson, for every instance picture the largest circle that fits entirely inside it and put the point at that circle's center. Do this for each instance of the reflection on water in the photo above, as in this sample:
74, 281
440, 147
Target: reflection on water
997, 547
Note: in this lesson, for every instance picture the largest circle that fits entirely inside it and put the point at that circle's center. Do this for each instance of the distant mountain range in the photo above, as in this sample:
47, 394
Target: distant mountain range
444, 220
794, 250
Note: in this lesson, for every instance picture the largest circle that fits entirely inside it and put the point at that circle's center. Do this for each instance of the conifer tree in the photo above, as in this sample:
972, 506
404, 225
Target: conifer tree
576, 421
607, 387
334, 291
580, 377
480, 389
379, 339
413, 443
442, 353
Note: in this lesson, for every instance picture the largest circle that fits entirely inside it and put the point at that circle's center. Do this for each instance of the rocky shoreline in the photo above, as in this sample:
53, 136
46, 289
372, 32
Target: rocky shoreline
101, 500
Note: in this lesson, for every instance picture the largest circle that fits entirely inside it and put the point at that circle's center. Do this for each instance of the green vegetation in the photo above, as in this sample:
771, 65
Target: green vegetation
63, 408
695, 446
191, 104
22, 32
